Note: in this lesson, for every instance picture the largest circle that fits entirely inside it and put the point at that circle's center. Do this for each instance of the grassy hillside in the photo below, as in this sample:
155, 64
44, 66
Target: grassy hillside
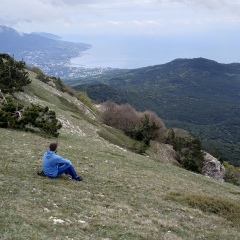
123, 196
199, 95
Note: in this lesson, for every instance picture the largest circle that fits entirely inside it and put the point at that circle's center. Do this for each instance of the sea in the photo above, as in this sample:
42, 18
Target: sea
130, 52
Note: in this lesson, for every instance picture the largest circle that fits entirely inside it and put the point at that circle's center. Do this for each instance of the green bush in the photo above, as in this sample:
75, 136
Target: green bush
189, 150
216, 205
43, 78
11, 112
143, 132
37, 70
41, 118
139, 147
83, 97
14, 115
232, 174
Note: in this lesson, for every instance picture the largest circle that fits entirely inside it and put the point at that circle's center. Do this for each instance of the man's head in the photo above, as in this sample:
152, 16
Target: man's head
53, 147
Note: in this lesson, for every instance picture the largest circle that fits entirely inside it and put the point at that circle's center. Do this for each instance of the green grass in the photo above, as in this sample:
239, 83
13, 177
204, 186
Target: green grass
123, 195
118, 138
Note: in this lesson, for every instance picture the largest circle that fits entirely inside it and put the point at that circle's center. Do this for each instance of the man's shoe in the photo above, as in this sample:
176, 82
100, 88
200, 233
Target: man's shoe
78, 179
41, 173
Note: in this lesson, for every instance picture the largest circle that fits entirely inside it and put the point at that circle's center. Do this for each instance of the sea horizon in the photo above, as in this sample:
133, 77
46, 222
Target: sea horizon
130, 52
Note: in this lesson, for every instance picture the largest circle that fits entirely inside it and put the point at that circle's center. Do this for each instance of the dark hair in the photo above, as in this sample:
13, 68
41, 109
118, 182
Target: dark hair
53, 147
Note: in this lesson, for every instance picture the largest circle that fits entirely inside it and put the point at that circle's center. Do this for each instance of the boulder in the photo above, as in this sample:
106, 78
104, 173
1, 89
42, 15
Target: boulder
163, 152
213, 168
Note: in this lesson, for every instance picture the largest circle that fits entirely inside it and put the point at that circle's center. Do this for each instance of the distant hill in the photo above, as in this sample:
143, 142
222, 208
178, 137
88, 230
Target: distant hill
199, 95
39, 49
14, 42
47, 35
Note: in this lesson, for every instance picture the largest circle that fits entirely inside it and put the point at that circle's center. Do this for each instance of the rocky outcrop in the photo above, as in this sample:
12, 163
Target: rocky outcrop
213, 168
163, 152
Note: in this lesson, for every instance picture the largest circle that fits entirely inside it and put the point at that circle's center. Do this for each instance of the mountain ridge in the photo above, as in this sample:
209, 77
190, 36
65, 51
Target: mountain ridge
199, 95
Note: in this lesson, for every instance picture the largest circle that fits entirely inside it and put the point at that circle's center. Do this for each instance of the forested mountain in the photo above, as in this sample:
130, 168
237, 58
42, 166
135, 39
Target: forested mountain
199, 95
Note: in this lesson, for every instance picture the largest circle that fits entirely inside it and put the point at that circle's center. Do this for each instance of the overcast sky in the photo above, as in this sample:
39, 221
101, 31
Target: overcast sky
216, 20
121, 17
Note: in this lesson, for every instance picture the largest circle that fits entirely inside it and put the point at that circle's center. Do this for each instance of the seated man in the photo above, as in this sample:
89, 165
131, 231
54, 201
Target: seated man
54, 165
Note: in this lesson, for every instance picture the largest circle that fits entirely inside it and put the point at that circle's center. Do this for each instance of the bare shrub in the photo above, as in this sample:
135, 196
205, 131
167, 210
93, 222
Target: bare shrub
109, 114
121, 117
126, 118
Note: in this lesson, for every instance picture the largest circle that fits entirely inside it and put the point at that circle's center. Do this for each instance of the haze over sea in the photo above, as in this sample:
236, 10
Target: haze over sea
141, 51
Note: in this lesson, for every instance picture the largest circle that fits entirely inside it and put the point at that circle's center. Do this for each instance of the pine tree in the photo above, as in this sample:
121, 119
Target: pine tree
13, 75
189, 149
33, 117
144, 132
42, 118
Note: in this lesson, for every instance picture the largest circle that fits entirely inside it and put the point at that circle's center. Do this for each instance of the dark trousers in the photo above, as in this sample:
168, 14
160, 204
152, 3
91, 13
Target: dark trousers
67, 169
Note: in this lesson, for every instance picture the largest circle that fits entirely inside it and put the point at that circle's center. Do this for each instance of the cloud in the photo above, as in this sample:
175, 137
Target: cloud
34, 11
108, 15
231, 6
116, 23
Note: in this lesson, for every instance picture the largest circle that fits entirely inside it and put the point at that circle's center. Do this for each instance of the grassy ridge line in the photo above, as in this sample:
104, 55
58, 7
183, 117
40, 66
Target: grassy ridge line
122, 196
44, 94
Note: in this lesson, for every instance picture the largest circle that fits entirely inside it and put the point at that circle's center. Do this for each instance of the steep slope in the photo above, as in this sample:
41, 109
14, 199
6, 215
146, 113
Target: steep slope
199, 95
124, 195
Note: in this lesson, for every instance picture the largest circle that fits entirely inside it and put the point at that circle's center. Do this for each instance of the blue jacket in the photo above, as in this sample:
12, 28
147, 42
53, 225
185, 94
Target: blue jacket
51, 163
